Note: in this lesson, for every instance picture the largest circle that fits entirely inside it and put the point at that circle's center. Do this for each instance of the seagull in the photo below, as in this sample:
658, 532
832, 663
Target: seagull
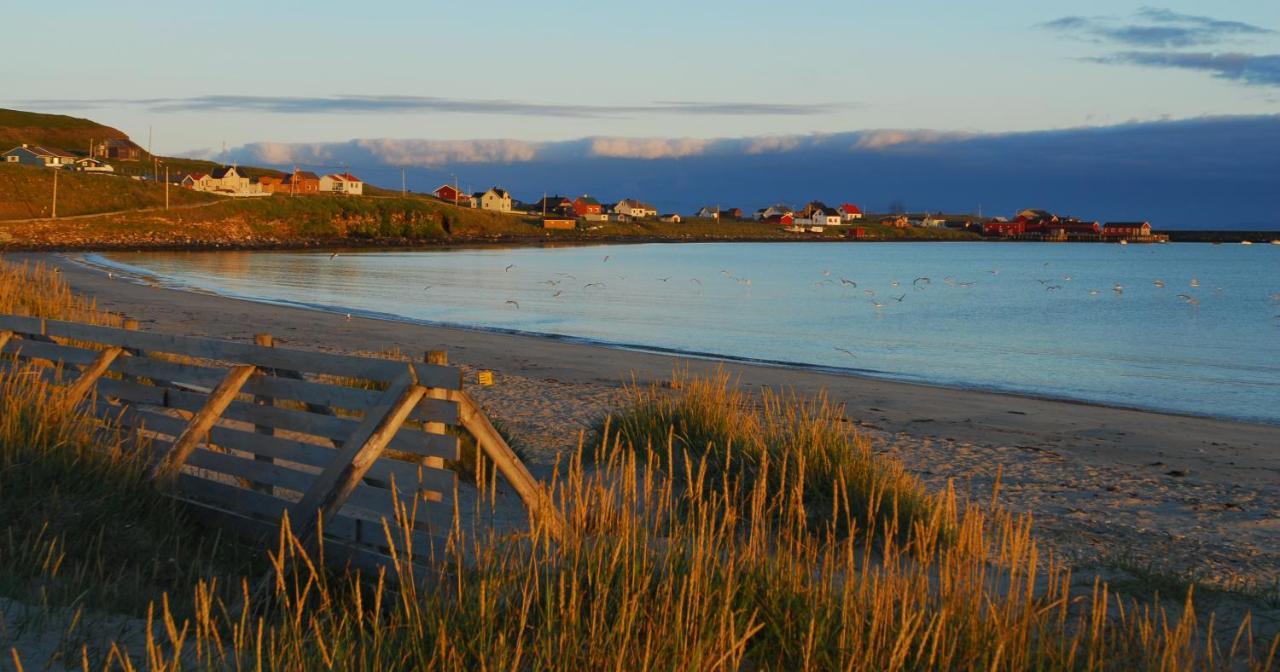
826, 272
823, 282
696, 280
514, 303
333, 256
994, 271
846, 281
665, 279
510, 267
950, 281
967, 284
899, 298
744, 281
1044, 282
1191, 300
869, 292
1195, 282
593, 284
427, 287
1094, 292
551, 283
894, 283
606, 259
845, 352
557, 294
348, 317
1067, 278
877, 304
1050, 288
1118, 289
111, 276
566, 275
1158, 282
916, 283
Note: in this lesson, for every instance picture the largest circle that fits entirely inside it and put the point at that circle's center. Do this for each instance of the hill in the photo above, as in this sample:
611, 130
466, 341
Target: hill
56, 131
27, 192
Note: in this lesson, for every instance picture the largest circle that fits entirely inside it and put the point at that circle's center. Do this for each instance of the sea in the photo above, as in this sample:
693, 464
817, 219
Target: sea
1181, 328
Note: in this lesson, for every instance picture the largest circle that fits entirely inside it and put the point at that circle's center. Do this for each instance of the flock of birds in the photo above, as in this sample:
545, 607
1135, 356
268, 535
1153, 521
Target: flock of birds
919, 284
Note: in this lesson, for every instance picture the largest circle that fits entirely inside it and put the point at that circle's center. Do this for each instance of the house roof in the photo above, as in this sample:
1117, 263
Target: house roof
501, 193
343, 177
304, 175
197, 176
123, 142
851, 209
829, 212
43, 151
587, 200
1119, 225
221, 172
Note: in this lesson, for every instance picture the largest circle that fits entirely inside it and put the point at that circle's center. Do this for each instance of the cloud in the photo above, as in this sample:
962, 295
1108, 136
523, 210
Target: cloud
391, 104
1251, 69
647, 148
1155, 28
891, 138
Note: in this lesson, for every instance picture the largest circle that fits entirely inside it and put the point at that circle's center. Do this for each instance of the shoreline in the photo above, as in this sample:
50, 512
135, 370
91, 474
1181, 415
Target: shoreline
132, 274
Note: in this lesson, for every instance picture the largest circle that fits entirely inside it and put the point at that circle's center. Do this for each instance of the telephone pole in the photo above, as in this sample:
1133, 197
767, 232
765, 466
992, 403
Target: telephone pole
166, 187
54, 214
402, 183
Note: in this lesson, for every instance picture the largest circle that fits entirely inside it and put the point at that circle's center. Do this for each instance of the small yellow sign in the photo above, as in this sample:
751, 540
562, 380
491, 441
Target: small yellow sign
485, 378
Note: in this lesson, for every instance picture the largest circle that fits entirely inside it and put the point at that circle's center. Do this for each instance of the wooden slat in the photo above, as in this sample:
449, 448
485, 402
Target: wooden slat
217, 402
358, 453
170, 372
407, 440
84, 384
133, 392
257, 472
349, 398
27, 348
278, 358
5, 337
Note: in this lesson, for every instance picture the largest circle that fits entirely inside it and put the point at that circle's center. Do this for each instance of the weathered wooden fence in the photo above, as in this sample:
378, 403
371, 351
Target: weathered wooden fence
245, 433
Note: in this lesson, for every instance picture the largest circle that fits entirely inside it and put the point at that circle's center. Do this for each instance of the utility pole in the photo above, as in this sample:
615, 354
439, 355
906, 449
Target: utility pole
54, 214
456, 196
402, 183
166, 187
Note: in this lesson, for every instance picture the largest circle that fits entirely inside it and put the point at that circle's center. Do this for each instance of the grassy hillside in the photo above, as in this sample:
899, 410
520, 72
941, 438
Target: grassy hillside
27, 191
52, 130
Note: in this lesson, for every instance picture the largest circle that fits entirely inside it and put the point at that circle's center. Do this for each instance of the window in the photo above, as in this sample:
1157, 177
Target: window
12, 158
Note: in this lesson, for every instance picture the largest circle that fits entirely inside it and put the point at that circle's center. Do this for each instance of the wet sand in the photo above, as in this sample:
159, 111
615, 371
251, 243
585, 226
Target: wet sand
1186, 493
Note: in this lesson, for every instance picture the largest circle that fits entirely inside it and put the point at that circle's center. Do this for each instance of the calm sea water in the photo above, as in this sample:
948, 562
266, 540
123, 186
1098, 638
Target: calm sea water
1039, 319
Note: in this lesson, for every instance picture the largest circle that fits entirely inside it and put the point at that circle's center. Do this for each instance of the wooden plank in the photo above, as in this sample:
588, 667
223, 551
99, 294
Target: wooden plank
266, 341
349, 398
132, 392
407, 440
200, 424
20, 324
170, 372
91, 374
358, 453
5, 337
535, 499
26, 348
277, 358
263, 473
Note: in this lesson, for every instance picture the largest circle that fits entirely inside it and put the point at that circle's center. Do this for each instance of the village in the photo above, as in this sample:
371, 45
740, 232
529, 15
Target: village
587, 212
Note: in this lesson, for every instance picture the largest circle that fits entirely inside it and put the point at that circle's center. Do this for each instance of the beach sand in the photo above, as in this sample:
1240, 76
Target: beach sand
1174, 492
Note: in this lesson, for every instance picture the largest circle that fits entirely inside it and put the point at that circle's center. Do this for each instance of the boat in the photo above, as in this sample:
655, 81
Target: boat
1246, 242
1276, 241
1124, 242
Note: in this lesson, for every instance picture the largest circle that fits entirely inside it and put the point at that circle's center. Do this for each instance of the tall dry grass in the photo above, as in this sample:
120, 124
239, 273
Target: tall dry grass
799, 443
39, 290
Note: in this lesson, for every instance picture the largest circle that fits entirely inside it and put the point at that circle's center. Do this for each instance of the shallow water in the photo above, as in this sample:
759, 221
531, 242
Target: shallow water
1040, 319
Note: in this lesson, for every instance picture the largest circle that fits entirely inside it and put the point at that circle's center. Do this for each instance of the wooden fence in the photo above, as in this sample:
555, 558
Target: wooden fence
245, 433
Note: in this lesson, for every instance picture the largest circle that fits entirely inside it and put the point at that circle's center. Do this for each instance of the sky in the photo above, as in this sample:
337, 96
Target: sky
501, 83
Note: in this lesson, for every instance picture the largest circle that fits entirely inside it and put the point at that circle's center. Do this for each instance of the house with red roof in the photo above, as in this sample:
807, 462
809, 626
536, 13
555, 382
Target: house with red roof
850, 212
342, 183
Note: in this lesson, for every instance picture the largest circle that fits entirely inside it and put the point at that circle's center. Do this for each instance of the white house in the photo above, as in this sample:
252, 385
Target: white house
827, 217
346, 183
773, 211
197, 182
498, 200
673, 217
91, 165
635, 209
929, 222
227, 179
31, 155
708, 212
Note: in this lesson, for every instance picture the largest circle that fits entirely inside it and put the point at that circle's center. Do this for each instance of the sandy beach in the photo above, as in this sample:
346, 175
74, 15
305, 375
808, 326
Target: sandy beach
1174, 492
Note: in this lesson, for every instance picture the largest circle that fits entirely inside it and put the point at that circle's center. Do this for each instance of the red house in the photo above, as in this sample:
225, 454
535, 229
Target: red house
584, 206
1127, 229
1003, 229
850, 211
449, 193
785, 219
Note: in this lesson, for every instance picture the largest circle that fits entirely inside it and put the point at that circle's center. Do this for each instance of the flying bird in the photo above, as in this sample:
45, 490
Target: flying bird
593, 284
877, 304
1195, 282
1118, 289
916, 283
514, 303
428, 287
846, 281
665, 279
869, 292
1191, 300
1158, 282
606, 259
695, 280
845, 352
1050, 288
557, 294
333, 256
899, 298
510, 267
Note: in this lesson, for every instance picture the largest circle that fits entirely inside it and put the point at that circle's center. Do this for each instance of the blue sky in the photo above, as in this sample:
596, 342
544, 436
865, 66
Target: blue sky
678, 101
983, 65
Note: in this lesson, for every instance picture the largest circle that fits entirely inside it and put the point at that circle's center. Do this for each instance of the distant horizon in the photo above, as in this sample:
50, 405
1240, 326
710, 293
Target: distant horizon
1216, 173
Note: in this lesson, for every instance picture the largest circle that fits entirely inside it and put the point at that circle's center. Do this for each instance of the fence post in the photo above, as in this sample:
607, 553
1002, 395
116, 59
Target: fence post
267, 341
166, 471
440, 357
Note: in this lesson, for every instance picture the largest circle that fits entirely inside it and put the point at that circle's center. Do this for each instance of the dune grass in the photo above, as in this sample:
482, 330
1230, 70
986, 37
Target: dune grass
694, 542
785, 439
39, 291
